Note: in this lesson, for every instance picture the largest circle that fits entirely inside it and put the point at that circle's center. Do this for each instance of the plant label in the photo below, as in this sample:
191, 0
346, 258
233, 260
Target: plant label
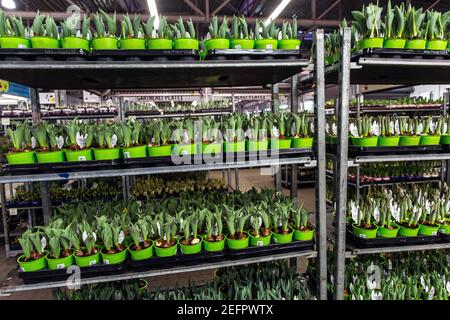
81, 158
259, 243
105, 261
434, 233
60, 266
269, 47
126, 155
362, 236
6, 121
13, 212
237, 46
93, 262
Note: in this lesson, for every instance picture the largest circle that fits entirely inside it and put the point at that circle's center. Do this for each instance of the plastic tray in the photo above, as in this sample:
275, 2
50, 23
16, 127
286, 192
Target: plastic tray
389, 242
252, 54
61, 274
145, 55
272, 249
400, 53
44, 55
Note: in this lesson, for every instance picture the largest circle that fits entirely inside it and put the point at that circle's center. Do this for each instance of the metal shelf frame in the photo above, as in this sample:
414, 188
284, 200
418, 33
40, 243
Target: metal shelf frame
150, 75
367, 70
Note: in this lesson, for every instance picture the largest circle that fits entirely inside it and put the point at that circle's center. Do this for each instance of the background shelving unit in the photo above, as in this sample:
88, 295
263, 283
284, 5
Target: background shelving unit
178, 74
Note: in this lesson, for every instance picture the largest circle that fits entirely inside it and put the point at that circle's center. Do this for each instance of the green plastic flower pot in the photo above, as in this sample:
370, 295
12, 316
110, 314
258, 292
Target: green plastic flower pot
429, 140
251, 145
186, 44
44, 43
365, 233
79, 155
388, 141
50, 156
14, 43
160, 151
105, 43
160, 44
134, 152
138, 255
166, 252
132, 44
263, 145
365, 141
283, 238
267, 44
260, 241
184, 149
276, 144
242, 43
407, 232
75, 43
425, 230
231, 147
418, 44
289, 44
302, 143
61, 263
409, 141
388, 233
307, 235
33, 265
367, 43
115, 258
436, 45
448, 46
27, 157
211, 148
191, 249
107, 154
444, 228
236, 244
214, 246
445, 139
219, 43
87, 261
394, 43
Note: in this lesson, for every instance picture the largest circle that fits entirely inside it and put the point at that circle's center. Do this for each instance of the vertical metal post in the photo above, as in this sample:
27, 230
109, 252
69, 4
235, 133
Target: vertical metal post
321, 202
236, 179
4, 218
275, 109
229, 179
342, 164
46, 209
446, 111
358, 101
294, 167
125, 179
358, 183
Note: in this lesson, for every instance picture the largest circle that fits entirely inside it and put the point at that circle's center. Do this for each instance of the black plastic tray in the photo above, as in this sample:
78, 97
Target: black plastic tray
355, 151
272, 248
397, 180
61, 274
44, 55
145, 55
400, 53
444, 237
389, 242
252, 54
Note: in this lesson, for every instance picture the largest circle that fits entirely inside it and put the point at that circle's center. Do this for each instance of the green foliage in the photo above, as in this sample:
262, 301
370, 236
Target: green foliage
368, 21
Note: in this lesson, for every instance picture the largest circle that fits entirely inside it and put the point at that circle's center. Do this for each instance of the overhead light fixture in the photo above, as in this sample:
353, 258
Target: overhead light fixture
277, 11
8, 4
153, 11
11, 96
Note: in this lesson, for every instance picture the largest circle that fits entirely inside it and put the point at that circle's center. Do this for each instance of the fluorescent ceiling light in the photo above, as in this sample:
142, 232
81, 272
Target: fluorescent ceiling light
277, 11
10, 96
7, 101
8, 4
153, 11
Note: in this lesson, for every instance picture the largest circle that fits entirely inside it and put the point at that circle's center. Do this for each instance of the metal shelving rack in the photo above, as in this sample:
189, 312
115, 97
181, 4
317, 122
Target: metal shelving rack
146, 75
369, 70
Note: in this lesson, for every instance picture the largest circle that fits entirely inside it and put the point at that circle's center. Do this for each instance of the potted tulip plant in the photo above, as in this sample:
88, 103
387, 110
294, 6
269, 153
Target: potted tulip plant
72, 38
20, 138
259, 235
281, 231
445, 137
33, 257
394, 27
112, 236
166, 245
302, 131
164, 39
132, 140
218, 35
104, 37
233, 133
184, 39
443, 211
303, 231
142, 246
45, 33
12, 32
436, 30
183, 134
428, 225
80, 138
408, 224
388, 136
368, 26
190, 243
431, 134
410, 131
241, 38
364, 132
132, 33
88, 254
49, 141
60, 254
280, 127
414, 30
257, 133
106, 139
158, 138
214, 239
386, 227
362, 221
235, 220
210, 140
289, 41
266, 36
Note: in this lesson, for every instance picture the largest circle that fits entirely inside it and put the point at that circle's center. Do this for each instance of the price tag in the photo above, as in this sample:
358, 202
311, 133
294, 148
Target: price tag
13, 212
126, 155
6, 121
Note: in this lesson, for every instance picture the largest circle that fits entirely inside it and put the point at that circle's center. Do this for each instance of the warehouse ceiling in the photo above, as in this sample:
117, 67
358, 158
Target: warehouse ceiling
310, 13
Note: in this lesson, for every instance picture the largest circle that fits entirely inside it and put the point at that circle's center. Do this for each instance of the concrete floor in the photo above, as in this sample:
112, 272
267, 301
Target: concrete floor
247, 179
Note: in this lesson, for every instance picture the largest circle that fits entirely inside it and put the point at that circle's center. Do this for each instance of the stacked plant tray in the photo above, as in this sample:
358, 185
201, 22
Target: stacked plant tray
252, 54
